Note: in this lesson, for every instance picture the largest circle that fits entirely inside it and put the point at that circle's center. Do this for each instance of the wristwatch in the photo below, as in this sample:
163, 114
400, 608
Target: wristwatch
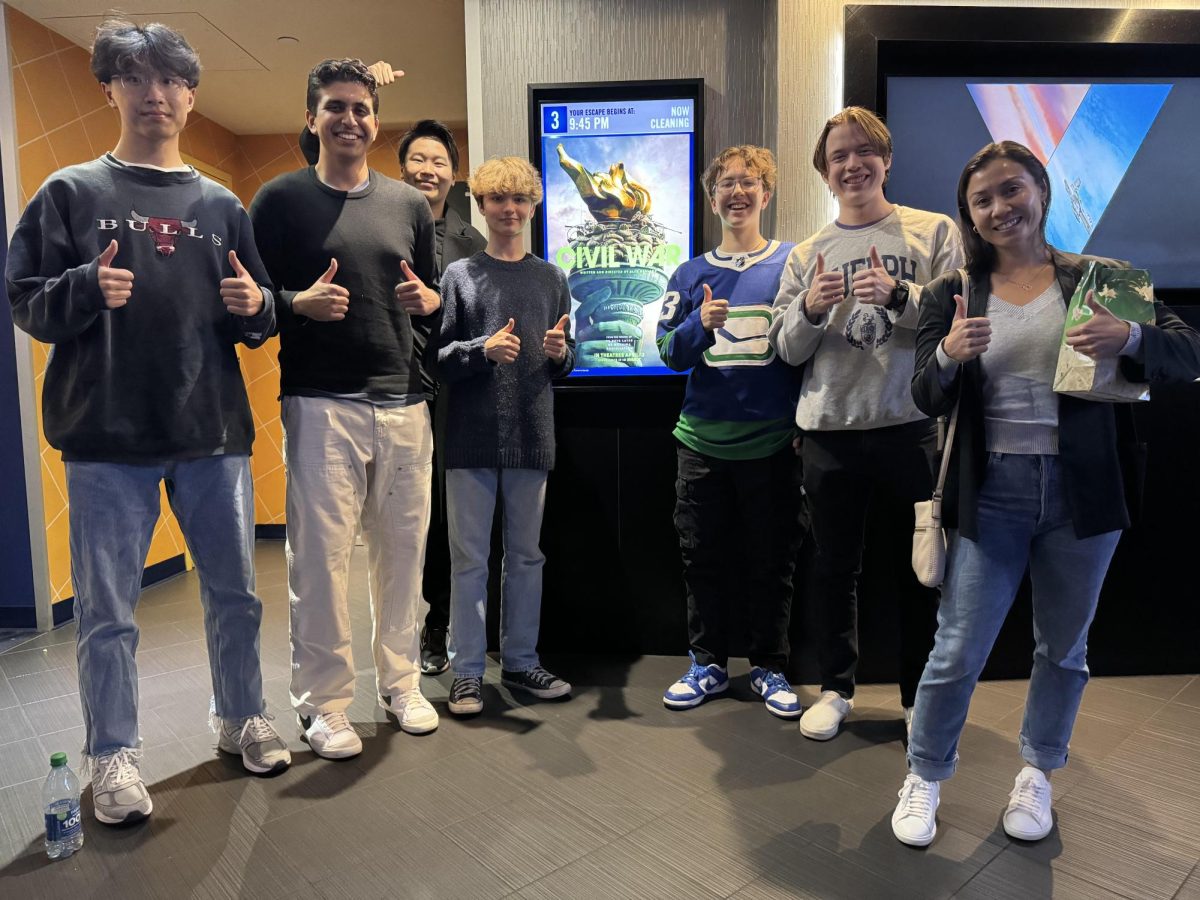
899, 297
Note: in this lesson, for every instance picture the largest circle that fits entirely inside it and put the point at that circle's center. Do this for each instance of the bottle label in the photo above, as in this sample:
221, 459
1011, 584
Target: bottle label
63, 820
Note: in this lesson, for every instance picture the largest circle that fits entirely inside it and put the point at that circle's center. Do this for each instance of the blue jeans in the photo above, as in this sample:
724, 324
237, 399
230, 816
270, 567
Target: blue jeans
1023, 520
113, 509
470, 505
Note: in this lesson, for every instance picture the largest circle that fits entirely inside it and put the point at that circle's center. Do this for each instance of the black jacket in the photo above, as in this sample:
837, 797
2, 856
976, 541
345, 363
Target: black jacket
1098, 448
461, 240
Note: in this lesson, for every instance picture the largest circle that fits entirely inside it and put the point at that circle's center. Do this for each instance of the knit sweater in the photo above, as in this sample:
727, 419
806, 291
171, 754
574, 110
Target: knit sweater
301, 224
158, 378
500, 416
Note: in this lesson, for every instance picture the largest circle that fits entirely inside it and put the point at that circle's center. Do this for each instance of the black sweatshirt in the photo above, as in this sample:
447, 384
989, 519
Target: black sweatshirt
300, 224
158, 378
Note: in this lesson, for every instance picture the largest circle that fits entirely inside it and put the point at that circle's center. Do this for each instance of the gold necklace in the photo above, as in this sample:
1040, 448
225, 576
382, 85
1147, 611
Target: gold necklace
1024, 285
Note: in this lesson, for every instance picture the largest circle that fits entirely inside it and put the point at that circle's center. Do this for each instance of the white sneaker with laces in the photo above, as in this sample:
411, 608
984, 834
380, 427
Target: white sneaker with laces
915, 820
822, 720
1028, 817
119, 795
255, 739
416, 714
330, 735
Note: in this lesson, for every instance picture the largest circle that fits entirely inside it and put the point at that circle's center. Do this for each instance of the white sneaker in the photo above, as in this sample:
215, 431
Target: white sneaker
119, 795
330, 735
416, 714
255, 739
822, 720
915, 820
908, 714
1028, 816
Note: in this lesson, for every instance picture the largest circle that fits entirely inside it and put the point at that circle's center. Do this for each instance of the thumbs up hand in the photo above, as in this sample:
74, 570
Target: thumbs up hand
554, 344
241, 294
324, 301
713, 313
1102, 336
412, 295
503, 347
828, 289
968, 337
115, 284
873, 285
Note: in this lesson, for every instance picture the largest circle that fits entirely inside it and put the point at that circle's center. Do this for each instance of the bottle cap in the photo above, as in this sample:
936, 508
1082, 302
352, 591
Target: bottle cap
58, 759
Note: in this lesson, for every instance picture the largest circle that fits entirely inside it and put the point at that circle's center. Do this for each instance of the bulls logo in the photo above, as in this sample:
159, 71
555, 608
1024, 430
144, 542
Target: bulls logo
162, 231
868, 326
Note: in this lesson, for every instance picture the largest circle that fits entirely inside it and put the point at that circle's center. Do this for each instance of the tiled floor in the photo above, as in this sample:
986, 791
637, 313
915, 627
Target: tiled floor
608, 795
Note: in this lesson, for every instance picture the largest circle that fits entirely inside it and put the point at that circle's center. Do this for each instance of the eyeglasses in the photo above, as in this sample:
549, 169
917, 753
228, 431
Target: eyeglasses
727, 185
170, 84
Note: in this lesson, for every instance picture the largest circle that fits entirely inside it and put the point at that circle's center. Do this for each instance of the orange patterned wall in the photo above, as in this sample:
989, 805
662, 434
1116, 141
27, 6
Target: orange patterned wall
62, 119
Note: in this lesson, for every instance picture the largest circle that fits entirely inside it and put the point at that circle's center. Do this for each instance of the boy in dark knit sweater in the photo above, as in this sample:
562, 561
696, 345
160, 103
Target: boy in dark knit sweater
503, 340
145, 277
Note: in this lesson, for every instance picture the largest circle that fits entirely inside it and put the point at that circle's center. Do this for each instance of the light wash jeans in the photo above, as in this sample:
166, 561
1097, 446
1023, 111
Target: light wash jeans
113, 510
1023, 520
349, 463
470, 505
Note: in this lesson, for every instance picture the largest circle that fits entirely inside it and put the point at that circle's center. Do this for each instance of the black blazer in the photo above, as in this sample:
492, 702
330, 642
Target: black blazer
1097, 444
462, 239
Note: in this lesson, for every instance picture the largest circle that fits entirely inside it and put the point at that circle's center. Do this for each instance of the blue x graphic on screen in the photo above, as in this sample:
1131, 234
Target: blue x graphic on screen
1091, 133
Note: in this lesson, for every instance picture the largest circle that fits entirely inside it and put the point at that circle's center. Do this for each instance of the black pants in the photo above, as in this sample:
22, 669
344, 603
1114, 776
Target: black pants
435, 578
845, 472
740, 523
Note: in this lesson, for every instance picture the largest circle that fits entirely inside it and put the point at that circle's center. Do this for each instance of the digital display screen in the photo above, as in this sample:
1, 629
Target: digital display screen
1119, 186
619, 180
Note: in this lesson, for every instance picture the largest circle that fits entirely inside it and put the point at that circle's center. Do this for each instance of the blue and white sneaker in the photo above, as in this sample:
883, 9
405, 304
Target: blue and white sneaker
699, 683
773, 687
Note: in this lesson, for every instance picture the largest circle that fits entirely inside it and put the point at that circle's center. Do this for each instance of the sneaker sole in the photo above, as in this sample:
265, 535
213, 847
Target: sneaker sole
541, 694
819, 735
916, 842
434, 670
131, 818
421, 729
467, 709
692, 702
330, 754
1031, 836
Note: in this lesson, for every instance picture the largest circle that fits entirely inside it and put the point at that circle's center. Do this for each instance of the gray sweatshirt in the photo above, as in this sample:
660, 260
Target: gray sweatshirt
860, 357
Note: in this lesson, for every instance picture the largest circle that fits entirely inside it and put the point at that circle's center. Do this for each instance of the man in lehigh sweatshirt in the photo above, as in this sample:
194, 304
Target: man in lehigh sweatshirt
847, 306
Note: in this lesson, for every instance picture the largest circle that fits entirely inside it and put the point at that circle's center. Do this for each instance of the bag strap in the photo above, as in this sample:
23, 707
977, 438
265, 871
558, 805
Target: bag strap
941, 482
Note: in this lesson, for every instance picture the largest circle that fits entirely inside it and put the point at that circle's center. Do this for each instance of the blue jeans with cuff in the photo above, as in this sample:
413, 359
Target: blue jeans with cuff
1024, 521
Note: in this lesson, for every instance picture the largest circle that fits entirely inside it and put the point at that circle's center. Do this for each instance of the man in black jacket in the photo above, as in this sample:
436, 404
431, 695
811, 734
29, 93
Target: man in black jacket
429, 160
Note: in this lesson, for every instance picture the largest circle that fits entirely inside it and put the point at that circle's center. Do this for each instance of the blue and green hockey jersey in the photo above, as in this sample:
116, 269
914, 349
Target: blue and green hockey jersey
740, 401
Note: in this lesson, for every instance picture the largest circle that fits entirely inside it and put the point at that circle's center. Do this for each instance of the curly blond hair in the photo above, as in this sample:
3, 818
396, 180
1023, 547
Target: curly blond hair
758, 161
506, 175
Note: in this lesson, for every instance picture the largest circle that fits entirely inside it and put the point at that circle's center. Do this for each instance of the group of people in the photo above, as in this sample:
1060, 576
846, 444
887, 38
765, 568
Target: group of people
817, 373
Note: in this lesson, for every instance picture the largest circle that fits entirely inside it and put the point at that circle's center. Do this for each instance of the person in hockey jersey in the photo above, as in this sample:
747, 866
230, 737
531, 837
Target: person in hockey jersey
847, 313
740, 506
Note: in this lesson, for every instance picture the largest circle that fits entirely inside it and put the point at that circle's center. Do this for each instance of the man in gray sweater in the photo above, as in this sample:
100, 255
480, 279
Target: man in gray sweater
847, 306
503, 340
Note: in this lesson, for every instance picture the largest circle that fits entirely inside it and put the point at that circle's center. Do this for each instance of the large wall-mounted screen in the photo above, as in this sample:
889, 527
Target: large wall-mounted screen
619, 167
1122, 183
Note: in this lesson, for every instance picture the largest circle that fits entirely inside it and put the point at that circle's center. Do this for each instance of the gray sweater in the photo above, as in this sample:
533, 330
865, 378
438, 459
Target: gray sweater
860, 357
500, 416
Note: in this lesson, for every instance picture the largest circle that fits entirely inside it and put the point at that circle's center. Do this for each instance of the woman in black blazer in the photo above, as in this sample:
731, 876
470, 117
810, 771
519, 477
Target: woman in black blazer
1036, 479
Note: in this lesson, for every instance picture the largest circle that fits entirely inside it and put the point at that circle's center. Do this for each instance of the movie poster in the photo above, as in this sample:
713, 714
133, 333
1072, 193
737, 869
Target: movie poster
617, 218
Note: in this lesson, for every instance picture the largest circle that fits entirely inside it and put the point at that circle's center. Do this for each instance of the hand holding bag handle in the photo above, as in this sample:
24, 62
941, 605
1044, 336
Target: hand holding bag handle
929, 538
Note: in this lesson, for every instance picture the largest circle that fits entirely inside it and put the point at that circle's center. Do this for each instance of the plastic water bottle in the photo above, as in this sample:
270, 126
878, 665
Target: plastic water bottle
60, 800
